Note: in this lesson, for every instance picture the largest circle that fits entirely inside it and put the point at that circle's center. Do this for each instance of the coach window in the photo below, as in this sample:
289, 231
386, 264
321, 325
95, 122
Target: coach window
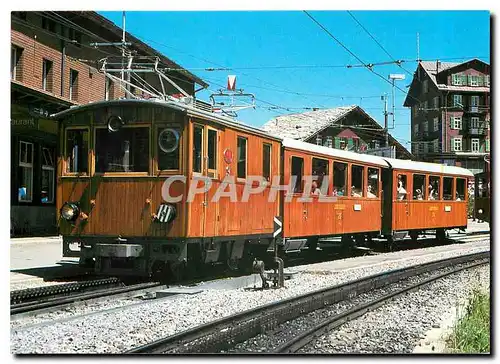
297, 173
339, 178
434, 187
266, 162
242, 157
460, 194
447, 188
197, 148
401, 188
418, 186
168, 148
373, 174
357, 173
77, 148
320, 171
212, 152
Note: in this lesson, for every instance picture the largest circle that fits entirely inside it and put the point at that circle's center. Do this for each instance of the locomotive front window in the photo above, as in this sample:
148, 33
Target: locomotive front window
125, 150
447, 188
242, 157
460, 194
168, 148
77, 144
434, 187
197, 148
212, 149
357, 175
339, 178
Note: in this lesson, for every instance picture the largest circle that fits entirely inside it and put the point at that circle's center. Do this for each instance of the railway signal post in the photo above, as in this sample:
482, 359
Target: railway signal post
278, 233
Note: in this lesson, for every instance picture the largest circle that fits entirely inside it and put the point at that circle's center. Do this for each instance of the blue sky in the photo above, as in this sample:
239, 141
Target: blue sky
198, 40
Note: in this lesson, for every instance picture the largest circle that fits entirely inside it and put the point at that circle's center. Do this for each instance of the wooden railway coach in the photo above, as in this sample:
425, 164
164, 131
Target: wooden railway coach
118, 158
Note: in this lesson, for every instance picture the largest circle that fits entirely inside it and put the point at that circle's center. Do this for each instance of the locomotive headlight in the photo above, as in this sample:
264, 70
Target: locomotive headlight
480, 211
70, 211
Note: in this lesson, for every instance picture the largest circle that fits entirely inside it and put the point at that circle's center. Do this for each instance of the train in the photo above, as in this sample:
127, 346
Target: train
152, 188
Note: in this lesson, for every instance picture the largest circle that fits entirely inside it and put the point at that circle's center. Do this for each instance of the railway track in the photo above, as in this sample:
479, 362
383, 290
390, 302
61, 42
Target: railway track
55, 302
225, 333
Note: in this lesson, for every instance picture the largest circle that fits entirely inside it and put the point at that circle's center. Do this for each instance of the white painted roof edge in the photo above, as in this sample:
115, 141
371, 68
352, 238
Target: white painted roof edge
428, 167
332, 152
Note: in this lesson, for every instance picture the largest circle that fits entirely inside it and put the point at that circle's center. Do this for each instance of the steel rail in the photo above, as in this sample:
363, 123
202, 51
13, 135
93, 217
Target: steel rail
19, 297
224, 333
298, 342
51, 303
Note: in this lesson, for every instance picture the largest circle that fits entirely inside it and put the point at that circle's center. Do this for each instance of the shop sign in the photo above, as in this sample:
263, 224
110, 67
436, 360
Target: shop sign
38, 111
30, 123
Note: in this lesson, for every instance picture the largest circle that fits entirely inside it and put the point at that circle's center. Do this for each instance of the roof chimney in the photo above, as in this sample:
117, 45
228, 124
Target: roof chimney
438, 64
315, 108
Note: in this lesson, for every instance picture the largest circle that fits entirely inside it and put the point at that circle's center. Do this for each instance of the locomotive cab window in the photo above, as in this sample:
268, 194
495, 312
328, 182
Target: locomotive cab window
168, 145
320, 171
339, 178
297, 173
460, 193
212, 152
447, 188
125, 150
401, 187
197, 148
418, 186
434, 188
373, 185
242, 158
357, 175
76, 153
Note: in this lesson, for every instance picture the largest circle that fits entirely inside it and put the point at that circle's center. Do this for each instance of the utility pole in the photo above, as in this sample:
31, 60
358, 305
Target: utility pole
386, 119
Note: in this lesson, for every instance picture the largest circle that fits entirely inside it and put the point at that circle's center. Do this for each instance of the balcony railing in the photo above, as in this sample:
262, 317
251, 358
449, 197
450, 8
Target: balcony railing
477, 128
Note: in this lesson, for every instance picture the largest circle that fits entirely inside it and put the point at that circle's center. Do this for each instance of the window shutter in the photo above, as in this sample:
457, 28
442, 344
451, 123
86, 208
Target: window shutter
350, 143
487, 80
487, 145
452, 122
337, 142
464, 80
480, 80
482, 147
469, 80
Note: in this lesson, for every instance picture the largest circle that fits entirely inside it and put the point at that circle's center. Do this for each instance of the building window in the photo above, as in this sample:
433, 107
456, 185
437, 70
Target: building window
456, 79
426, 86
297, 173
75, 36
474, 122
415, 128
474, 101
473, 80
25, 191
487, 81
48, 175
197, 148
426, 126
266, 161
456, 122
435, 102
49, 24
475, 145
77, 143
435, 146
426, 147
426, 105
319, 140
73, 85
457, 144
15, 56
47, 75
169, 148
436, 124
457, 101
329, 141
242, 157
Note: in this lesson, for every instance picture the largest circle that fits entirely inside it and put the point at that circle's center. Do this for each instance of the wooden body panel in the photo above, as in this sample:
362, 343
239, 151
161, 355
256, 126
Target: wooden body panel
411, 214
340, 215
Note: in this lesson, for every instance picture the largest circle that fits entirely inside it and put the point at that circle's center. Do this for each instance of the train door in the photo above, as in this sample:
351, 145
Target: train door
205, 151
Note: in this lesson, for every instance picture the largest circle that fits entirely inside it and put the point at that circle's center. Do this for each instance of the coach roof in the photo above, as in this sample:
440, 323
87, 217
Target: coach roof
332, 152
428, 167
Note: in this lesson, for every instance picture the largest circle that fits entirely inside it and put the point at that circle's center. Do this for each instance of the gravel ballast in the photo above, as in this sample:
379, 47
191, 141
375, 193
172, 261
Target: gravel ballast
118, 330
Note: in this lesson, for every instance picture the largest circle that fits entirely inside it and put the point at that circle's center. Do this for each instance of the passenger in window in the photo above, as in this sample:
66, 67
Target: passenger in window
457, 197
418, 193
370, 192
22, 192
431, 193
314, 188
355, 192
45, 197
401, 189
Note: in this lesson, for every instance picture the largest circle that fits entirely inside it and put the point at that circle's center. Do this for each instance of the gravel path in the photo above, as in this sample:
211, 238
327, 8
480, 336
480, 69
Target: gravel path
117, 331
398, 326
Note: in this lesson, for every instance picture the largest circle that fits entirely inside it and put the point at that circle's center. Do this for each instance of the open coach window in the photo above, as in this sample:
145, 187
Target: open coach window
125, 150
434, 187
418, 186
373, 174
76, 153
320, 171
297, 173
447, 188
339, 178
460, 195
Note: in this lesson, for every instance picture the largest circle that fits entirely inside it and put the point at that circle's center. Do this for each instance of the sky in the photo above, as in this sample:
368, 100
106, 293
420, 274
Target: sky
280, 56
